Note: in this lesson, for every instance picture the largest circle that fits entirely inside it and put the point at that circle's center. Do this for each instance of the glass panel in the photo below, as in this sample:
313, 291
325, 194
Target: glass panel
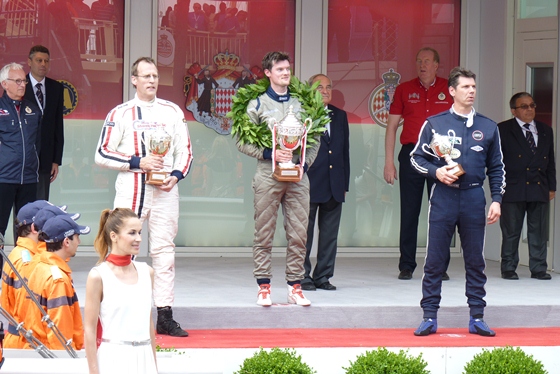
223, 38
201, 67
367, 40
86, 55
541, 89
537, 8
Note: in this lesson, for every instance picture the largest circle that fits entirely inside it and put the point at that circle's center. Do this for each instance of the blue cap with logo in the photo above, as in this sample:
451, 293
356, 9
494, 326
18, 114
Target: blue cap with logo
58, 228
27, 213
48, 212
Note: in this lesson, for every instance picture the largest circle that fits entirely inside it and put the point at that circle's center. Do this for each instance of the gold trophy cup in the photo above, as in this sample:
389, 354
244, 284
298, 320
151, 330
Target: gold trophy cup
158, 143
289, 134
442, 146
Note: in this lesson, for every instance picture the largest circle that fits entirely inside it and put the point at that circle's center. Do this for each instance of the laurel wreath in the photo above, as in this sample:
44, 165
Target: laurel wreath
260, 135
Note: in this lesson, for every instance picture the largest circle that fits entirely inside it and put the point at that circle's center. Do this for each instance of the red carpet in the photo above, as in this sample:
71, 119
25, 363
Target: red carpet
323, 338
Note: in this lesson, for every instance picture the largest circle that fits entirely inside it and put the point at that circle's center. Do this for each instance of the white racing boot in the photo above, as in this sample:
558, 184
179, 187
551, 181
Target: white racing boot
296, 296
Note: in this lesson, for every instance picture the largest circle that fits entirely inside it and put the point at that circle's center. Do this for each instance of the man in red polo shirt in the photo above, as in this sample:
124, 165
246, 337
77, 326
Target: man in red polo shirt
414, 101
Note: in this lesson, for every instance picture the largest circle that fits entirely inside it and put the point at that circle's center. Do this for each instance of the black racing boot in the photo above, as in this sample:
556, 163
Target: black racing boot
166, 325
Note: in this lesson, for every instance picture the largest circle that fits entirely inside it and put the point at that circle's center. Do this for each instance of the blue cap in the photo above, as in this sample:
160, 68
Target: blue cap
61, 227
50, 211
27, 213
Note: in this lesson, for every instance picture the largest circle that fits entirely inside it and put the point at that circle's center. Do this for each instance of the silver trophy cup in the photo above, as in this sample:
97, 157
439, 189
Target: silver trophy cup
158, 143
289, 134
442, 147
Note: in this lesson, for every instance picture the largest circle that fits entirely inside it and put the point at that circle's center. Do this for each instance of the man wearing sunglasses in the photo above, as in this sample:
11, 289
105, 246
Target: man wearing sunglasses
19, 144
528, 151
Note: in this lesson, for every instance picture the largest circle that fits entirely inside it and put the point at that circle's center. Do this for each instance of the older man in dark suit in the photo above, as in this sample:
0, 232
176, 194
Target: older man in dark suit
329, 178
528, 155
48, 94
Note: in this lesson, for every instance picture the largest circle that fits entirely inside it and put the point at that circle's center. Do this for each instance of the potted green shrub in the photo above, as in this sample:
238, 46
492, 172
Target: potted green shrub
383, 361
277, 361
504, 360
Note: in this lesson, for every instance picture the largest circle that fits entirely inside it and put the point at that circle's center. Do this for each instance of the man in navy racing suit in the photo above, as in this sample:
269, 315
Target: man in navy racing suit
459, 201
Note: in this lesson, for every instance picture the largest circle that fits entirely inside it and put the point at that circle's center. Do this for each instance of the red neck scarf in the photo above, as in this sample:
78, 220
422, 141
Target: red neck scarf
119, 260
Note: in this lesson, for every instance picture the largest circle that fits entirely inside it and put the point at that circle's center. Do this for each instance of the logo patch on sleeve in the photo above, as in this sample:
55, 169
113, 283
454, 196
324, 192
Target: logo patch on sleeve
109, 124
477, 135
477, 148
56, 273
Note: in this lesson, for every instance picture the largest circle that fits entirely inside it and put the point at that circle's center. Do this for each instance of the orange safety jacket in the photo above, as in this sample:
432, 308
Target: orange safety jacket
13, 293
51, 282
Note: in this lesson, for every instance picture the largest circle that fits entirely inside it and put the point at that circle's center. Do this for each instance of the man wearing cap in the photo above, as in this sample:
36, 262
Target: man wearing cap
42, 216
26, 247
20, 144
51, 281
45, 213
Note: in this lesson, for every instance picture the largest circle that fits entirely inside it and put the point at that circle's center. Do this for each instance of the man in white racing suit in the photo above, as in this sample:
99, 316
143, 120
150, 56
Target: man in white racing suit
123, 145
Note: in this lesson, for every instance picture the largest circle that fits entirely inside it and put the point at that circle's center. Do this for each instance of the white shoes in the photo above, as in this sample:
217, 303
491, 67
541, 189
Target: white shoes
296, 296
263, 298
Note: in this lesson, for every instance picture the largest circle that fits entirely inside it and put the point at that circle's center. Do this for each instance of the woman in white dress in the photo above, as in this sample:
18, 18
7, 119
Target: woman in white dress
119, 296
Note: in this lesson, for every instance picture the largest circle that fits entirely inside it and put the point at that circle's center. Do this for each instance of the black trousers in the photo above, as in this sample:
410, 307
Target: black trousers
411, 185
511, 223
43, 188
14, 196
329, 222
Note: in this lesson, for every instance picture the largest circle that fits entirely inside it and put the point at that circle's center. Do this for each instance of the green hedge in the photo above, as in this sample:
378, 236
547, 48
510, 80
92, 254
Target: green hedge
383, 361
277, 361
504, 361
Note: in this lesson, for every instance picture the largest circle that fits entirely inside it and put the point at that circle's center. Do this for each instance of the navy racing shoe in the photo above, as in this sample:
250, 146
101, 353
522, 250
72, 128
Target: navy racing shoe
478, 326
427, 327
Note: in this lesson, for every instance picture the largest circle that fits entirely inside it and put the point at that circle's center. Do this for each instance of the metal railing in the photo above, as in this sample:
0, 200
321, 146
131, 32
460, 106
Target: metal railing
19, 19
97, 39
203, 45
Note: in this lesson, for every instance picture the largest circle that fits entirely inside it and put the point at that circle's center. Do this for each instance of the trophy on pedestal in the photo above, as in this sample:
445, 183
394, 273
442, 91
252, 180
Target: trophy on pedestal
289, 134
158, 143
442, 146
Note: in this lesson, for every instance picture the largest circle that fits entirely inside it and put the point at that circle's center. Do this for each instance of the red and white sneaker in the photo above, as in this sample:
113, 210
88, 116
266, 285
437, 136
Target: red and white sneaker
296, 296
263, 298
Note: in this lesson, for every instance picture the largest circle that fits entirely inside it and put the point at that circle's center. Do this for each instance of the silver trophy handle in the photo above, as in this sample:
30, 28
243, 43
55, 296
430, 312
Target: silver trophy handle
307, 124
271, 122
451, 134
428, 152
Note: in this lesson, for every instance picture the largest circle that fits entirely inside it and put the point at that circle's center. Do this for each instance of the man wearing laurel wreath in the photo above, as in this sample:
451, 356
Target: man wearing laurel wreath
125, 145
274, 104
457, 199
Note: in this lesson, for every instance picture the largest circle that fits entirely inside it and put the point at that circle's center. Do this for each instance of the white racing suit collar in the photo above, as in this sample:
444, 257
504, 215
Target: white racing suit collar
144, 104
469, 117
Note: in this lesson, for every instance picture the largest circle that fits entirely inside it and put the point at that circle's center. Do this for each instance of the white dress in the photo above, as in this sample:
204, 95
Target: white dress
125, 317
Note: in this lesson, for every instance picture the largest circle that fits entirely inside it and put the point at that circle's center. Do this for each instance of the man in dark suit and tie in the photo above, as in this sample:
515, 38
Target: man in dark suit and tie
528, 155
48, 94
329, 178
